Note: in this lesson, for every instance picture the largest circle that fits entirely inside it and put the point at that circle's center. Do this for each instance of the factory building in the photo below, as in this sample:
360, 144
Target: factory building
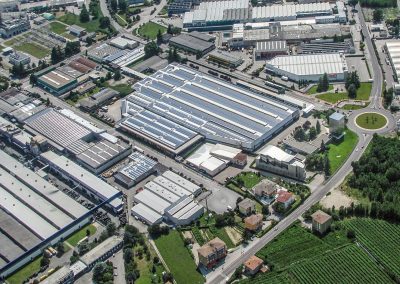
98, 99
168, 197
309, 67
191, 43
270, 49
124, 43
225, 59
56, 81
84, 180
9, 5
176, 104
33, 215
13, 27
139, 167
19, 58
100, 52
393, 52
277, 161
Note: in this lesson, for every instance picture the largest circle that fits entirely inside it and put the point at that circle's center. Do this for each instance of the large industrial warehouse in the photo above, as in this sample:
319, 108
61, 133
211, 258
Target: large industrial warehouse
175, 104
309, 67
168, 197
393, 51
33, 214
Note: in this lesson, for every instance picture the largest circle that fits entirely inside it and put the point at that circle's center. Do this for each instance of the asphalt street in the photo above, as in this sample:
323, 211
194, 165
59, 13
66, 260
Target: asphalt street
234, 260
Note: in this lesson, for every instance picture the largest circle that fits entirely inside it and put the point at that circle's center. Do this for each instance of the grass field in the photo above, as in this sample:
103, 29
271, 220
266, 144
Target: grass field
21, 275
313, 89
338, 152
291, 246
121, 19
33, 49
145, 267
371, 120
58, 28
352, 107
178, 259
150, 30
79, 235
380, 238
362, 94
123, 89
72, 19
249, 179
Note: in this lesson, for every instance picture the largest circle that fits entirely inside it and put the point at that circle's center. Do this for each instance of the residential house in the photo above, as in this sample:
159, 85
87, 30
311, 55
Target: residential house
212, 252
286, 198
253, 222
247, 206
253, 265
240, 160
265, 188
321, 221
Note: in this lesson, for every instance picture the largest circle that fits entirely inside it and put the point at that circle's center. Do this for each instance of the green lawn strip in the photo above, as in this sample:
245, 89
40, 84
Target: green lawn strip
352, 107
33, 49
79, 235
68, 36
121, 19
58, 28
371, 120
21, 275
150, 30
13, 41
300, 243
339, 151
313, 89
178, 259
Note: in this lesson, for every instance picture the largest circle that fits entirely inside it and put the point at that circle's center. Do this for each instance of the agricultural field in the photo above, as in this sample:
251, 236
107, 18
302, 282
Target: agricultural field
349, 264
293, 245
380, 238
178, 258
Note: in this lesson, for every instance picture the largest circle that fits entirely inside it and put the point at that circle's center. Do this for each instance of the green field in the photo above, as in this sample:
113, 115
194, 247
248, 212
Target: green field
298, 256
338, 152
178, 258
121, 19
371, 120
21, 275
380, 238
123, 89
362, 94
150, 30
33, 49
72, 19
58, 28
291, 246
352, 107
79, 235
313, 89
249, 179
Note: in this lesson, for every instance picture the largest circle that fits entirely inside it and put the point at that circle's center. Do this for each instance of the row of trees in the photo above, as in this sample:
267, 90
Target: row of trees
58, 54
352, 84
323, 84
307, 132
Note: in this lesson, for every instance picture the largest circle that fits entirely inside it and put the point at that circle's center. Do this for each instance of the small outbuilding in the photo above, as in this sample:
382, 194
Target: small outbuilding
247, 206
253, 265
321, 222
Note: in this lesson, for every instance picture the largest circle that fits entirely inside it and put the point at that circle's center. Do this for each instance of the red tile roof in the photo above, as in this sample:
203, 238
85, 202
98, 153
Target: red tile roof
321, 217
253, 263
284, 196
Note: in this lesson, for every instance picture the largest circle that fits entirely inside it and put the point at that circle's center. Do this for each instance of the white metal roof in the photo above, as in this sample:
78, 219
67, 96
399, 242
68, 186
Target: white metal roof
189, 186
276, 153
146, 213
152, 201
212, 164
290, 10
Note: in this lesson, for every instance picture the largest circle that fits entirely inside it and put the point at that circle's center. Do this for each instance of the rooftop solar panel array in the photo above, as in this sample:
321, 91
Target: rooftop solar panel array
217, 109
139, 166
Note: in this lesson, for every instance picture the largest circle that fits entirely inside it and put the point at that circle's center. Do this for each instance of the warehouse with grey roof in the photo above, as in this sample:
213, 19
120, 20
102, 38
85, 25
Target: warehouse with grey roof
176, 103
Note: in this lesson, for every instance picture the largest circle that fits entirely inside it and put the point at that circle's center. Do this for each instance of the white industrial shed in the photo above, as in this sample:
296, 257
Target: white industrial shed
393, 51
162, 195
309, 67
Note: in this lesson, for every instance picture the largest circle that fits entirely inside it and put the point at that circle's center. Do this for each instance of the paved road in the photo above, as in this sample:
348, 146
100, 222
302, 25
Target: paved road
235, 259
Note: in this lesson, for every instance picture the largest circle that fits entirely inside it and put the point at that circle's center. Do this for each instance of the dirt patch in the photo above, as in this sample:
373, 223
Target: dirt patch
188, 235
337, 198
234, 235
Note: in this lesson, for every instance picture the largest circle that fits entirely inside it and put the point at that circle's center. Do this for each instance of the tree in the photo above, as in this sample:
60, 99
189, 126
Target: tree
114, 5
117, 75
159, 37
104, 22
377, 15
327, 166
72, 48
84, 16
388, 97
122, 5
151, 49
83, 248
353, 78
45, 261
318, 127
353, 2
299, 134
60, 249
323, 84
111, 228
312, 133
265, 210
352, 91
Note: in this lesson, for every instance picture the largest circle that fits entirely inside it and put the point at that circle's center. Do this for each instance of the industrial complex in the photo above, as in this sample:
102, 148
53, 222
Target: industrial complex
175, 105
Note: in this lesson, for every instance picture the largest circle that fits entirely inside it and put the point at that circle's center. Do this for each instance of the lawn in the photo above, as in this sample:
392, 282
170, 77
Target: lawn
381, 238
362, 94
313, 89
178, 259
248, 179
58, 28
33, 49
339, 151
145, 267
121, 19
371, 120
123, 89
72, 19
21, 275
352, 107
79, 235
150, 30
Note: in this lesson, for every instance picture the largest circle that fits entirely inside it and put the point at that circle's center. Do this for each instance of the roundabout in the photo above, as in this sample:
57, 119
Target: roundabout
371, 121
